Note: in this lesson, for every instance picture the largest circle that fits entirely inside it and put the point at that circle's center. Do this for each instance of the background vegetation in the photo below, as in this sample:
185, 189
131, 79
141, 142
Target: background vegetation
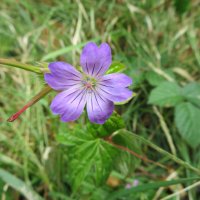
158, 42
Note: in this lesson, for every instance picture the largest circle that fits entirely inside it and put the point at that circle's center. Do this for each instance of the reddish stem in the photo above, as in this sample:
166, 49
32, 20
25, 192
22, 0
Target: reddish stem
109, 139
35, 99
17, 114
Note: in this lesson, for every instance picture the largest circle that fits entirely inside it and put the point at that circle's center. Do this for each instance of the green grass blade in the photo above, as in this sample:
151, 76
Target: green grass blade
163, 152
9, 161
19, 185
64, 50
67, 49
150, 186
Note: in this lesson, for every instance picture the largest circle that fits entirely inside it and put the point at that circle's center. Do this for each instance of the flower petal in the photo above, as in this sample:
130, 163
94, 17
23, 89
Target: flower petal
99, 109
116, 80
96, 60
62, 76
69, 104
114, 94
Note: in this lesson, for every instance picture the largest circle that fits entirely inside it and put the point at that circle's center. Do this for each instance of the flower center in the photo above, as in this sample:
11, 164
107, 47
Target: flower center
89, 82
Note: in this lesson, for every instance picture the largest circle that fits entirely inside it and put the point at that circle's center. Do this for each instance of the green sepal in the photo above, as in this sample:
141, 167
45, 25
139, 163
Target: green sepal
116, 67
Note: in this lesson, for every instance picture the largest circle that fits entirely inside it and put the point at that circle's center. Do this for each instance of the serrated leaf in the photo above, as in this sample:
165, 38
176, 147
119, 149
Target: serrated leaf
19, 185
85, 159
166, 94
72, 139
192, 93
114, 123
93, 158
187, 121
116, 67
89, 156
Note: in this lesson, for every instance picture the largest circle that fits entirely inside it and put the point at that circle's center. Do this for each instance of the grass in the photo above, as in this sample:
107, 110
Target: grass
147, 36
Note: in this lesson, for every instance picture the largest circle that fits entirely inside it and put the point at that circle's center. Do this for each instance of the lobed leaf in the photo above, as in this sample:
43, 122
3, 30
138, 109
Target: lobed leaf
89, 156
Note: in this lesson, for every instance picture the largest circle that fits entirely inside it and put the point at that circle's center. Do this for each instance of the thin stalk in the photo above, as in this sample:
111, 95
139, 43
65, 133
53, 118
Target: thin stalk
165, 130
20, 65
35, 99
162, 151
109, 139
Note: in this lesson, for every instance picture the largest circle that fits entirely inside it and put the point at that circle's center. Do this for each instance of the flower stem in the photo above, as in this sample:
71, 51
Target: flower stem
20, 65
35, 99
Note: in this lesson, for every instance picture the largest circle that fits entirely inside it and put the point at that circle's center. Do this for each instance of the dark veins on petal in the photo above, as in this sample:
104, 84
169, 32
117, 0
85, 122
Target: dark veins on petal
97, 101
78, 95
87, 67
82, 97
93, 69
99, 95
106, 85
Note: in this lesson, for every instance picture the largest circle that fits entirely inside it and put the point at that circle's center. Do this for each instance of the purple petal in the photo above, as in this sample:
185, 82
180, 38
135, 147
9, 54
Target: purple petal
135, 182
114, 94
96, 60
116, 80
99, 109
62, 76
69, 104
128, 186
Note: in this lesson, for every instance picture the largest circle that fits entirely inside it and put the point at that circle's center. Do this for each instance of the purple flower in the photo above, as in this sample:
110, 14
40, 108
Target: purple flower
90, 87
133, 184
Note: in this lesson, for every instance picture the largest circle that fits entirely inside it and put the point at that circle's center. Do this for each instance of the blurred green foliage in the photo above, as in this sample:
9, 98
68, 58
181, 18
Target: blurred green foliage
158, 42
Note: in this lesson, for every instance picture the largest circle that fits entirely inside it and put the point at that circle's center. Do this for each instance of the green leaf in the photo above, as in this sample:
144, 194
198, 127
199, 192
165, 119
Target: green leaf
166, 94
114, 123
192, 93
19, 185
187, 121
93, 157
116, 67
89, 156
149, 186
155, 79
138, 76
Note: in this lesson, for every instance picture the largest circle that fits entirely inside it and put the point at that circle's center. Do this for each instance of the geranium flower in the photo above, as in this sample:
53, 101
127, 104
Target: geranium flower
90, 88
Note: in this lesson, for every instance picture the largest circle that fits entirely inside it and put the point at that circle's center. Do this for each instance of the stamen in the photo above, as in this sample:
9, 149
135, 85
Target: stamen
89, 82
